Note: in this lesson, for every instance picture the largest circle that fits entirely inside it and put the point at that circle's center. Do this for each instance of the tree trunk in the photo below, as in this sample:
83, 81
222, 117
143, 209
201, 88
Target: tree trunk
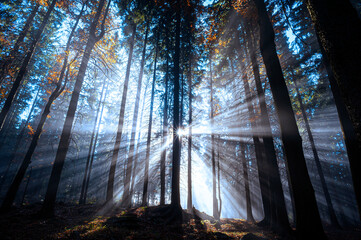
24, 67
126, 194
189, 196
279, 218
262, 163
339, 31
95, 145
175, 197
164, 136
118, 139
50, 196
308, 220
349, 135
219, 179
136, 156
213, 157
92, 145
145, 187
246, 184
329, 204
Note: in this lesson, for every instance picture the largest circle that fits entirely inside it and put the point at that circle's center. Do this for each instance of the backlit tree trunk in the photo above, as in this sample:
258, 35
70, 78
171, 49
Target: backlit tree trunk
126, 194
113, 164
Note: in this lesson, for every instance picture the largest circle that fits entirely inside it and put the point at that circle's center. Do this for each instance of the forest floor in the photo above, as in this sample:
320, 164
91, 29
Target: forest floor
92, 222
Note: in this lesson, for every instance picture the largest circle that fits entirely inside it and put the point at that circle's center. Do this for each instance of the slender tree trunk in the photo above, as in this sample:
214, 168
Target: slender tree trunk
219, 180
262, 163
189, 197
339, 31
307, 216
329, 204
279, 218
246, 184
126, 194
50, 196
164, 136
175, 197
95, 144
92, 145
213, 157
134, 173
8, 60
24, 67
118, 139
145, 186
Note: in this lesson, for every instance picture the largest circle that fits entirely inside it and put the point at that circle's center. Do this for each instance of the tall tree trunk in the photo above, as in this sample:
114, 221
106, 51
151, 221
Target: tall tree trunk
126, 194
24, 67
8, 60
175, 197
136, 156
339, 31
50, 196
307, 216
352, 147
246, 184
146, 170
118, 138
189, 196
95, 145
262, 163
213, 157
92, 145
329, 204
164, 136
219, 179
279, 218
